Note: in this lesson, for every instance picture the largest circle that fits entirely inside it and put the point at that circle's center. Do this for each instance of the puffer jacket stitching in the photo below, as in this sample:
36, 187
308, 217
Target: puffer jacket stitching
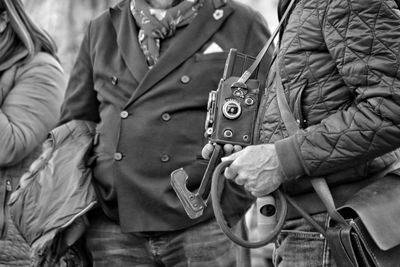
361, 95
321, 85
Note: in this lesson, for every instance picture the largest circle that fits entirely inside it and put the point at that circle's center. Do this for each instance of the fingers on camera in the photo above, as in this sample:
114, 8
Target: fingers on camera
207, 151
228, 149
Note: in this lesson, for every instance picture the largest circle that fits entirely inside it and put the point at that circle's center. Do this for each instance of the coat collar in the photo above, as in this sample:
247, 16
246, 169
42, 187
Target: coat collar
127, 32
194, 36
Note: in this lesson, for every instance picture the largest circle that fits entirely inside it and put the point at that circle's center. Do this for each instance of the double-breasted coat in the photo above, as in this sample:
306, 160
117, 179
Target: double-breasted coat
151, 121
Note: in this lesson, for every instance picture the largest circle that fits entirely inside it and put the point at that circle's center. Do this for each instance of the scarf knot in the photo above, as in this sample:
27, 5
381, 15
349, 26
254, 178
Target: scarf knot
158, 24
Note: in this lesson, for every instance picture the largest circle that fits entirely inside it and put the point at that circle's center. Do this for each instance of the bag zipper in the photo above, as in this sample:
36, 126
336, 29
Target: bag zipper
3, 203
8, 186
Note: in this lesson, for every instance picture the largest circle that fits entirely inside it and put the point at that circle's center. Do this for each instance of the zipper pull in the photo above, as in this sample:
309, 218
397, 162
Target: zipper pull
8, 186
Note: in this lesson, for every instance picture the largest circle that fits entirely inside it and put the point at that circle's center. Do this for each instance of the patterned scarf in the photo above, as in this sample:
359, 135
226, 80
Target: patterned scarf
157, 24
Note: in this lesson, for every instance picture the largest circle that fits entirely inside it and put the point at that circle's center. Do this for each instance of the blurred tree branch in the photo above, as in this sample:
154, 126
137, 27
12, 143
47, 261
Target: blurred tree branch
67, 20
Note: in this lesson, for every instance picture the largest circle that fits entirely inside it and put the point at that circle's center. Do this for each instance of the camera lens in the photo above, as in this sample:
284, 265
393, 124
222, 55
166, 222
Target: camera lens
231, 109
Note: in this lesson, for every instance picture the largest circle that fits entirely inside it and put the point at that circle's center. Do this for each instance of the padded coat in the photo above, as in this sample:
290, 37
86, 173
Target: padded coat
55, 192
30, 98
339, 64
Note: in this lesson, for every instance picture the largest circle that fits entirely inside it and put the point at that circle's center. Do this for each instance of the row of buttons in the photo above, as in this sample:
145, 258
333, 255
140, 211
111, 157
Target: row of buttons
164, 158
184, 79
165, 116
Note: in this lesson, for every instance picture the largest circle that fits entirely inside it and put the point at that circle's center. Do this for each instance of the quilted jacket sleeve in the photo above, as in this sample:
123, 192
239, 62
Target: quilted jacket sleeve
31, 108
363, 38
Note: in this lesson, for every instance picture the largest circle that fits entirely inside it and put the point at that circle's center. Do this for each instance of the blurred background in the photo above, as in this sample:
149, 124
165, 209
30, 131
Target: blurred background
66, 21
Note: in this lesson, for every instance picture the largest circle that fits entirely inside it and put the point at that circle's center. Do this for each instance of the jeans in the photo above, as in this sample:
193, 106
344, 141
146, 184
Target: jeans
300, 245
203, 245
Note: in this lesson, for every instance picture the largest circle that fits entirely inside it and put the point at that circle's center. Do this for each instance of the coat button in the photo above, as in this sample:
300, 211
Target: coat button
117, 156
114, 80
166, 117
164, 158
124, 114
185, 79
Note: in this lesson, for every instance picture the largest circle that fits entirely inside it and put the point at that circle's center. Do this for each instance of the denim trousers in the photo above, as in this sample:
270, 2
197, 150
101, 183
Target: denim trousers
203, 245
300, 245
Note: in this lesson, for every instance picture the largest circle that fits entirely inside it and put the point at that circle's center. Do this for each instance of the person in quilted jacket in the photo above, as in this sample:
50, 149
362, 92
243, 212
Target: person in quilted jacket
339, 66
32, 85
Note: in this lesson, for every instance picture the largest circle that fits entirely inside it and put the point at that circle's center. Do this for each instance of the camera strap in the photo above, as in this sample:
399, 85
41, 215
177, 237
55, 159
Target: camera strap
247, 74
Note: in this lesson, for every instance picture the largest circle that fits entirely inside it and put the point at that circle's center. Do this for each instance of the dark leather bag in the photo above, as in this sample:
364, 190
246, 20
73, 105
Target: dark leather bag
364, 231
370, 235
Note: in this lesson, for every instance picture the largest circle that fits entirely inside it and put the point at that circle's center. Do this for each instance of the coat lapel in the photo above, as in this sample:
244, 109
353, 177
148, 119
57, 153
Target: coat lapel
128, 44
191, 40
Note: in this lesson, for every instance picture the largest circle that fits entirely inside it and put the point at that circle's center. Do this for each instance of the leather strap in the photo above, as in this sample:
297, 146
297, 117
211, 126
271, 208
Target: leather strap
305, 215
319, 184
321, 187
217, 188
286, 114
247, 74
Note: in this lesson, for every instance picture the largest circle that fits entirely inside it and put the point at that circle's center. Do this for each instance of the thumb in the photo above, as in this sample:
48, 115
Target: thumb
231, 157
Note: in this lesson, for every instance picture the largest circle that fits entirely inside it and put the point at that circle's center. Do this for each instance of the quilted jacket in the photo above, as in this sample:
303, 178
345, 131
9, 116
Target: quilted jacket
30, 98
55, 193
339, 64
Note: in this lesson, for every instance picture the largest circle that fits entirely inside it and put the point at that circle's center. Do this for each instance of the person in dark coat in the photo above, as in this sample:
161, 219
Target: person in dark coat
32, 84
338, 62
143, 74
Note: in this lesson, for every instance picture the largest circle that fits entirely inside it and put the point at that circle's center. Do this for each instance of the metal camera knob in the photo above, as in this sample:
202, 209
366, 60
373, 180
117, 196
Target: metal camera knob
231, 109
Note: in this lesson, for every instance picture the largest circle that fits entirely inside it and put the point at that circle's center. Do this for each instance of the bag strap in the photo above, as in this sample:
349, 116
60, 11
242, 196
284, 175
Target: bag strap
247, 74
319, 184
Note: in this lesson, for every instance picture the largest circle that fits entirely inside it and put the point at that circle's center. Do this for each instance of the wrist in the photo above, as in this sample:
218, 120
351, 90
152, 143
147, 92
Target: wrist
289, 161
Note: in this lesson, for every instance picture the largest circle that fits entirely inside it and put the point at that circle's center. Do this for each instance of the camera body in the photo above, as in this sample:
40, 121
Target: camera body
232, 108
231, 115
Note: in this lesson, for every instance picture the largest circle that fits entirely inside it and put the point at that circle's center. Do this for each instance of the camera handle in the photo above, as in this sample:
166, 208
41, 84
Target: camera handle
217, 185
195, 203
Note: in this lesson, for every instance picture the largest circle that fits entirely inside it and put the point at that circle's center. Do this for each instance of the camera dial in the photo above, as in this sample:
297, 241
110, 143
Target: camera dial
249, 101
231, 109
239, 92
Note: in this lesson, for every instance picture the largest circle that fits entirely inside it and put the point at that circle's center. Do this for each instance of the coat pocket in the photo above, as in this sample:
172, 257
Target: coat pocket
297, 105
218, 56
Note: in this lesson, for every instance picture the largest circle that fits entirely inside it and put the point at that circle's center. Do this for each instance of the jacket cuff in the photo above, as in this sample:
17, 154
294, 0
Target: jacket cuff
290, 162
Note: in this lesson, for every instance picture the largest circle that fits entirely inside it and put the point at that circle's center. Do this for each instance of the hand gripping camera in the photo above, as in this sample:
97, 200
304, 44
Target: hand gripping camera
231, 114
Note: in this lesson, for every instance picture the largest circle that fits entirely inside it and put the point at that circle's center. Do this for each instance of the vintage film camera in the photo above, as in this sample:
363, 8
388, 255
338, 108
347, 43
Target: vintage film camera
232, 108
231, 115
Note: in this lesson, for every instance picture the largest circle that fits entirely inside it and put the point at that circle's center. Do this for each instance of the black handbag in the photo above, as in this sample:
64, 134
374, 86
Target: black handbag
365, 231
370, 236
